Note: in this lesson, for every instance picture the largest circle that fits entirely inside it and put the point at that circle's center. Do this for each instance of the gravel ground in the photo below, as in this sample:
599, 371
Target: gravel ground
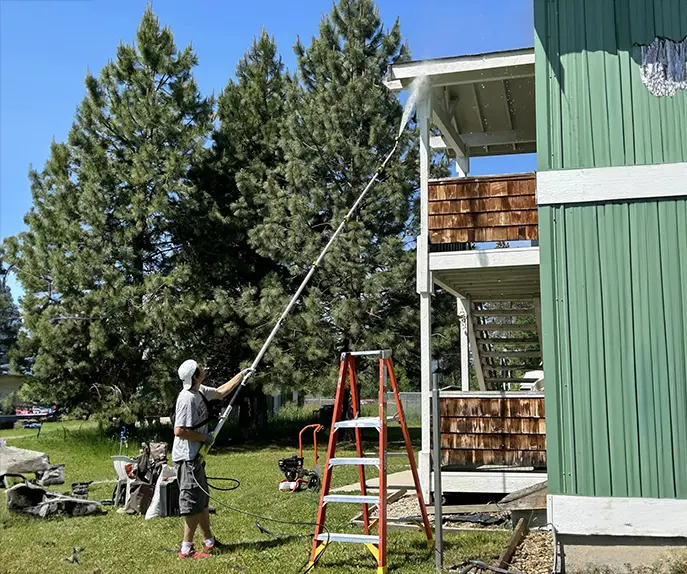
408, 506
404, 506
534, 555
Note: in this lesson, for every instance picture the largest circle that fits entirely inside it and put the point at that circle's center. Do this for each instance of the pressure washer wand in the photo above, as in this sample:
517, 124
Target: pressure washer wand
296, 296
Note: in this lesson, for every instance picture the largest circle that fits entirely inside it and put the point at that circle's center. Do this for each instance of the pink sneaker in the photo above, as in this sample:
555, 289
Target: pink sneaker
193, 555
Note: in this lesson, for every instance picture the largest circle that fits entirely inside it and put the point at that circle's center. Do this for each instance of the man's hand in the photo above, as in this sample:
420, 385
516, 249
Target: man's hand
247, 373
209, 440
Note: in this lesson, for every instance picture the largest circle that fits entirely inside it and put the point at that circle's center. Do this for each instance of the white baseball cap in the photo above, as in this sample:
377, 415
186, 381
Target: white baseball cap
186, 371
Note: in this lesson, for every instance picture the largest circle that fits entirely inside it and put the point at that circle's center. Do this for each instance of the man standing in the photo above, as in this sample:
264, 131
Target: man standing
190, 434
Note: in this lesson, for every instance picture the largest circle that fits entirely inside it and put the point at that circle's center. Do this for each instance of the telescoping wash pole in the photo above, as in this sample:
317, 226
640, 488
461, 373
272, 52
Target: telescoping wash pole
297, 294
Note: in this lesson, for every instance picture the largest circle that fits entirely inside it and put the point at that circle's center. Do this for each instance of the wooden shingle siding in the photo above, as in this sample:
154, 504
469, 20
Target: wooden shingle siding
483, 209
500, 430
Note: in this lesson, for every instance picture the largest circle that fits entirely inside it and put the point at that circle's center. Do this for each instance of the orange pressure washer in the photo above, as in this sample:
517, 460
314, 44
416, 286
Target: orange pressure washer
296, 477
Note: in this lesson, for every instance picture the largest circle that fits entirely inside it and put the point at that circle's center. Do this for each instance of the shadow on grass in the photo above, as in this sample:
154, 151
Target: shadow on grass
264, 544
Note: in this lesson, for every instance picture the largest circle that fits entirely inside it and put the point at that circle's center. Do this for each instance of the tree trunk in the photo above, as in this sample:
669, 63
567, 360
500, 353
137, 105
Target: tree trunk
253, 411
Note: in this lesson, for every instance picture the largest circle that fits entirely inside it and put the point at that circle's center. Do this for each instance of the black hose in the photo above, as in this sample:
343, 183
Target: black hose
265, 518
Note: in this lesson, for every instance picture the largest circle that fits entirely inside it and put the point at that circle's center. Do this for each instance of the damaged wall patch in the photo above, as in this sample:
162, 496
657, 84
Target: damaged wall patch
664, 66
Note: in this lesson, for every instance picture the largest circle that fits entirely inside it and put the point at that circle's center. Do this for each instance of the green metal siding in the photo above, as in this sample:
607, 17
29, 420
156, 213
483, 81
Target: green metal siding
592, 108
614, 331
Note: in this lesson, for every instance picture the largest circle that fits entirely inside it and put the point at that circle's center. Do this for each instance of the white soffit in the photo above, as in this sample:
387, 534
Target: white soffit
488, 98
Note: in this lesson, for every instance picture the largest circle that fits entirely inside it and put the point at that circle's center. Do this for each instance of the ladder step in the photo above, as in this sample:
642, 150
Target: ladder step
354, 462
506, 341
507, 354
351, 499
507, 368
386, 352
531, 327
504, 313
512, 380
353, 538
359, 423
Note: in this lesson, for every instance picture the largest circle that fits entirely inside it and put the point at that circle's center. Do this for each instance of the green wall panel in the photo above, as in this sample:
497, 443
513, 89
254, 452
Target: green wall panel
614, 317
592, 108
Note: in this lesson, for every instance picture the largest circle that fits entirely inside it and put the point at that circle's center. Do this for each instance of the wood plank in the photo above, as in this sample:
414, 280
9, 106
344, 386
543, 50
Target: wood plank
511, 442
488, 219
513, 541
493, 425
482, 235
455, 459
518, 203
497, 407
475, 188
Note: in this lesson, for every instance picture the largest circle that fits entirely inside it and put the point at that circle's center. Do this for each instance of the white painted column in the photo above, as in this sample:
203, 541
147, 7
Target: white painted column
424, 289
474, 349
464, 357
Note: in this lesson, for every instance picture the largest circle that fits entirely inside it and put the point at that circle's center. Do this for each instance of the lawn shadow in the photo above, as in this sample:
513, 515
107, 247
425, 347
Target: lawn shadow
263, 544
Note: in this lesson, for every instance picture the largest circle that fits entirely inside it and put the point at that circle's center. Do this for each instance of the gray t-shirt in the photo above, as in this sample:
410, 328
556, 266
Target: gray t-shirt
191, 410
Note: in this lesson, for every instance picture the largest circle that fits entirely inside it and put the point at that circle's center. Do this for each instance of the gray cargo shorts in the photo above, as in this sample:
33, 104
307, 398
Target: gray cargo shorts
192, 499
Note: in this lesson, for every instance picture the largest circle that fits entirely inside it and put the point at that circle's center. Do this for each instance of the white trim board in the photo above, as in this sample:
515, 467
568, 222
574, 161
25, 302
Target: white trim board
480, 258
612, 183
490, 395
615, 516
500, 64
501, 482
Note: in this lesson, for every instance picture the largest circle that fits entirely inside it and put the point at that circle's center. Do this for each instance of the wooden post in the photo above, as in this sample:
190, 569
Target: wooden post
513, 541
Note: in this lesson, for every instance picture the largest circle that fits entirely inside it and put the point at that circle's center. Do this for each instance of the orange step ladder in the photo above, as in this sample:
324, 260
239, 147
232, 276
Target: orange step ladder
376, 543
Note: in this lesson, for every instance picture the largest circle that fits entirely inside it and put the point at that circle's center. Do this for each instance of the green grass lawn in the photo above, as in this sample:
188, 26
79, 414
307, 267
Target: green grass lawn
118, 543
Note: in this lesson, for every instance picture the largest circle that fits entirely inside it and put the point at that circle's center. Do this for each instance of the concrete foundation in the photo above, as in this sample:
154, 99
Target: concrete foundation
618, 553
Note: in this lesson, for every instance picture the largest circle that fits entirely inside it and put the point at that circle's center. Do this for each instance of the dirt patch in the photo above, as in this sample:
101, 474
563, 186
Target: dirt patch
534, 555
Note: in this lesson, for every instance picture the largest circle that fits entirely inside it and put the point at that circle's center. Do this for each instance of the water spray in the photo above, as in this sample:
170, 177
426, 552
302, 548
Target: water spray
417, 90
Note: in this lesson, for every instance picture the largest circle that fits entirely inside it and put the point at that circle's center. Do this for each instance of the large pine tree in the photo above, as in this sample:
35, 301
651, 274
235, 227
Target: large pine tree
10, 322
108, 295
244, 155
340, 122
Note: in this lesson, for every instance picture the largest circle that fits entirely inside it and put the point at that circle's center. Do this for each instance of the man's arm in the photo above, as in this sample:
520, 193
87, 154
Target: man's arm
228, 387
189, 434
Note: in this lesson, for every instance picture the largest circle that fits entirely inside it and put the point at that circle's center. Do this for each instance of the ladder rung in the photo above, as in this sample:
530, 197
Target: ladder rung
359, 423
354, 462
351, 499
353, 538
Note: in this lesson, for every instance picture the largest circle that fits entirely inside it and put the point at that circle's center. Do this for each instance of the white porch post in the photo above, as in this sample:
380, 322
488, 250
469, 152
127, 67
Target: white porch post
474, 348
464, 358
424, 289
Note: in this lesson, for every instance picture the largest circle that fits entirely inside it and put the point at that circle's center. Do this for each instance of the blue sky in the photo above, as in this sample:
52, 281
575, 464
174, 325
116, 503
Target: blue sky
46, 47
